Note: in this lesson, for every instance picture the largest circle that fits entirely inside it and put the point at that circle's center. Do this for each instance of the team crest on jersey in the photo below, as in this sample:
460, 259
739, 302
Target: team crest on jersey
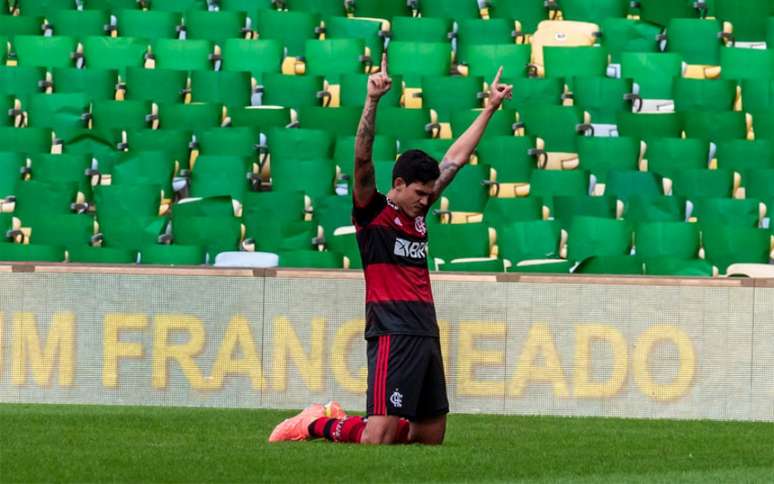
419, 225
396, 399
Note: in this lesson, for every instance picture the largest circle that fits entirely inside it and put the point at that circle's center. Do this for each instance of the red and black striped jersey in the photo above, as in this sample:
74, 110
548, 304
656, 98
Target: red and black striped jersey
393, 248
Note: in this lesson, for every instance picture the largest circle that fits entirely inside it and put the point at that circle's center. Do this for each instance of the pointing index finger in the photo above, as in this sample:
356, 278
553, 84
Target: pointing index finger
497, 77
384, 63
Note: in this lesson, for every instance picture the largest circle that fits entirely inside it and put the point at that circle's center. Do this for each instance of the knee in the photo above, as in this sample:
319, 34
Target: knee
378, 436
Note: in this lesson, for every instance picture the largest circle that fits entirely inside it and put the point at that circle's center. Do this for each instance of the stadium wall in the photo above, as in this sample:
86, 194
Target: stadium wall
575, 346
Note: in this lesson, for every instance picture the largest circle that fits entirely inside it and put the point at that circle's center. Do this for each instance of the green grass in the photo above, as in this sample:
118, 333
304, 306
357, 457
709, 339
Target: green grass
129, 444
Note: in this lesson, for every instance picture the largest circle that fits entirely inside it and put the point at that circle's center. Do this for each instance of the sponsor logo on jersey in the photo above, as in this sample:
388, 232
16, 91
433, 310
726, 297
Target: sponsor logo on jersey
413, 250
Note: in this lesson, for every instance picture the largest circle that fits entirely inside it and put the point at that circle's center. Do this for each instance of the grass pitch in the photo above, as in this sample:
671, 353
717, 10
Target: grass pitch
47, 443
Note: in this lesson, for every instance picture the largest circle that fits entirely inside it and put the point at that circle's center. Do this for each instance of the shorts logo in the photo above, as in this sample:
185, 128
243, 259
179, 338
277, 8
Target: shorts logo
419, 225
396, 399
414, 250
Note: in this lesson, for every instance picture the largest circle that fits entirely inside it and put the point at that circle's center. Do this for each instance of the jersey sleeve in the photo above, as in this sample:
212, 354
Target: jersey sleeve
362, 216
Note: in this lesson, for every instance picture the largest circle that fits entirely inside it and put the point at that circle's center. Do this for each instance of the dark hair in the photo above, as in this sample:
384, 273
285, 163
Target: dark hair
415, 166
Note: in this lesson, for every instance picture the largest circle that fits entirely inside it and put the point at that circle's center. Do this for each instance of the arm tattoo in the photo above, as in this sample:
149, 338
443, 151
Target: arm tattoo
448, 172
365, 180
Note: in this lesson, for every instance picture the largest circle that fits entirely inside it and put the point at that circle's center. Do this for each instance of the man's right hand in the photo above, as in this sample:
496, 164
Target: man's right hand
380, 82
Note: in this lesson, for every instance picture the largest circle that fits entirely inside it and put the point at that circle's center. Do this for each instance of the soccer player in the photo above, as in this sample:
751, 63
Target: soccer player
406, 399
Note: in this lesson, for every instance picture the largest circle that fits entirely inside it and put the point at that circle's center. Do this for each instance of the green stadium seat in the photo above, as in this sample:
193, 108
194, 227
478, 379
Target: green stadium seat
79, 23
150, 25
143, 167
468, 195
215, 234
179, 6
300, 145
485, 59
500, 212
346, 245
662, 11
759, 184
12, 111
594, 11
60, 230
420, 29
127, 199
13, 25
617, 265
729, 212
120, 115
696, 184
535, 90
114, 53
543, 267
58, 111
59, 168
22, 82
667, 239
627, 184
157, 85
670, 266
405, 124
698, 41
704, 95
548, 184
333, 58
667, 156
621, 35
532, 240
322, 7
40, 51
310, 259
648, 208
557, 126
475, 31
386, 9
221, 87
763, 124
599, 155
194, 116
384, 149
447, 95
595, 236
354, 88
748, 18
112, 6
294, 91
99, 255
567, 208
98, 84
215, 206
42, 8
243, 142
740, 64
31, 253
453, 9
292, 29
215, 27
653, 72
743, 156
218, 175
13, 168
102, 145
274, 236
514, 158
452, 242
502, 123
436, 148
725, 245
130, 231
332, 213
175, 142
185, 55
277, 206
26, 140
415, 60
603, 97
337, 121
314, 178
571, 62
34, 199
172, 255
646, 126
261, 119
486, 265
716, 126
527, 13
365, 29
757, 96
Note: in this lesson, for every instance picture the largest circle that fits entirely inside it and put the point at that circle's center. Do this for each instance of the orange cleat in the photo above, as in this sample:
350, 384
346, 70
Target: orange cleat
297, 428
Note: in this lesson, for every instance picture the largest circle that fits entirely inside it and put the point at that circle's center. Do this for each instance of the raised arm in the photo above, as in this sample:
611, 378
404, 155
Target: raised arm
365, 180
460, 152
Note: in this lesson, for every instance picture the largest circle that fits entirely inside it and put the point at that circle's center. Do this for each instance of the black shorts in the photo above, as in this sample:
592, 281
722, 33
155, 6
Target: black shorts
406, 377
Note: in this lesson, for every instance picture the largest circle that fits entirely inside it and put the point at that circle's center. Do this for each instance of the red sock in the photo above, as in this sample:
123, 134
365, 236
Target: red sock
402, 437
349, 429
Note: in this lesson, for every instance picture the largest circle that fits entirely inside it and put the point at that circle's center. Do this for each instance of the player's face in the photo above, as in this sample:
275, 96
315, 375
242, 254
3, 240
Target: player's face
414, 198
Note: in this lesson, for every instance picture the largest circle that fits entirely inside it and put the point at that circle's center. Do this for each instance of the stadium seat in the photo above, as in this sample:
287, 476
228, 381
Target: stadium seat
698, 41
114, 53
150, 25
595, 236
42, 8
535, 90
558, 127
696, 184
215, 234
60, 230
300, 145
294, 91
621, 35
175, 142
384, 149
13, 25
654, 208
654, 74
729, 212
26, 140
421, 29
742, 157
143, 167
221, 87
282, 207
365, 29
603, 98
185, 55
242, 142
567, 208
13, 169
99, 255
215, 27
485, 59
662, 11
157, 85
646, 126
513, 158
33, 199
415, 60
436, 148
120, 115
337, 121
740, 64
599, 155
66, 168
526, 13
500, 212
557, 266
561, 34
571, 62
49, 52
179, 6
310, 259
354, 88
97, 84
468, 196
218, 175
333, 213
453, 9
616, 265
127, 199
704, 95
172, 255
261, 119
669, 266
22, 82
757, 96
314, 178
31, 253
129, 231
627, 184
593, 11
557, 183
333, 58
322, 7
58, 111
194, 116
214, 206
716, 126
533, 240
502, 122
452, 242
292, 29
748, 18
386, 9
254, 56
405, 124
667, 239
486, 265
726, 245
447, 95
78, 23
668, 156
275, 236
475, 31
